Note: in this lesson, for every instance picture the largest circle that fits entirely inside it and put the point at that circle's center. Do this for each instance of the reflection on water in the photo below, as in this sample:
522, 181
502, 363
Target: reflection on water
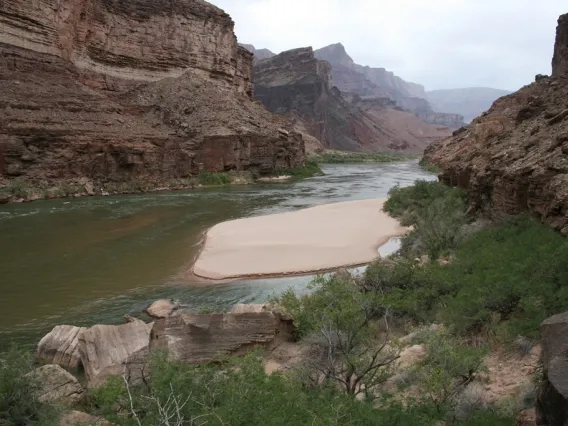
390, 247
95, 259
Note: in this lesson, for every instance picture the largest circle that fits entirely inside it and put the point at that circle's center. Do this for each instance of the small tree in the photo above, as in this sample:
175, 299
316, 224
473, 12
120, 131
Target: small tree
348, 333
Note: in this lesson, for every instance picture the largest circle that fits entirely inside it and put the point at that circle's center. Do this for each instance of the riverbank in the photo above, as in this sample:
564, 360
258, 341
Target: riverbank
19, 191
342, 157
310, 240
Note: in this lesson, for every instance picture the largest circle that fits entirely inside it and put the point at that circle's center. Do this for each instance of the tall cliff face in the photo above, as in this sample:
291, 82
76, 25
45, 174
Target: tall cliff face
259, 54
145, 90
377, 82
298, 85
560, 59
514, 159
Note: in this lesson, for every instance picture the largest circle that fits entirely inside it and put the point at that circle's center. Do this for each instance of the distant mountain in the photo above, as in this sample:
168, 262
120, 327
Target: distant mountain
259, 54
369, 82
469, 102
297, 85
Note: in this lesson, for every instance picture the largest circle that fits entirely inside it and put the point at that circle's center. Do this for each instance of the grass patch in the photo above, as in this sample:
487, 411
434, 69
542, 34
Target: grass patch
331, 157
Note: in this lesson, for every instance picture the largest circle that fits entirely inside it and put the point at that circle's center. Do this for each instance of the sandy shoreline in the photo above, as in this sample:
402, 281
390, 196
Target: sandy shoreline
315, 239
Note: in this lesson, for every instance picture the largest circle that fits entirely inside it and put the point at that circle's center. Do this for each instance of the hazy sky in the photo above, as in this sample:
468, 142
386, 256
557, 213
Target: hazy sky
438, 43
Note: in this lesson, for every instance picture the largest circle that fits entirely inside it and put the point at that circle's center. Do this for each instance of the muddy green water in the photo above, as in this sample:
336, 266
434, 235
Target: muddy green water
93, 260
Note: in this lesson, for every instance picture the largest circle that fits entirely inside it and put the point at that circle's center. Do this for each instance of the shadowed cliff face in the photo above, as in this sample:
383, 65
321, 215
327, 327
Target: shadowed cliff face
371, 82
298, 85
514, 159
146, 90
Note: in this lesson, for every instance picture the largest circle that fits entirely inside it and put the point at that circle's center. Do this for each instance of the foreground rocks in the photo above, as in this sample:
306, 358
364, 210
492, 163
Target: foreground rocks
552, 406
61, 347
110, 350
196, 339
514, 158
122, 350
162, 308
56, 385
97, 98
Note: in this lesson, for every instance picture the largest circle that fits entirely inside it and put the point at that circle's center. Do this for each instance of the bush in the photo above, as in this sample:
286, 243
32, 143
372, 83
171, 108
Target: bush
410, 203
213, 178
18, 402
310, 169
360, 157
18, 189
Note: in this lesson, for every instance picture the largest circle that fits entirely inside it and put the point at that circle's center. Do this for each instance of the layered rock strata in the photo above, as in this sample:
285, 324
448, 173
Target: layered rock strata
369, 82
514, 158
144, 91
296, 84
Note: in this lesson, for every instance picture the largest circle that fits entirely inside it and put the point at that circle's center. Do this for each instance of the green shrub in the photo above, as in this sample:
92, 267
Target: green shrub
429, 167
213, 178
409, 204
310, 169
18, 402
360, 157
18, 189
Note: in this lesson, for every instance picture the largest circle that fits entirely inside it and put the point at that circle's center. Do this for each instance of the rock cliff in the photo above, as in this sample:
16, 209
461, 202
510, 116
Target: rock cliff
144, 91
371, 82
514, 158
259, 54
296, 84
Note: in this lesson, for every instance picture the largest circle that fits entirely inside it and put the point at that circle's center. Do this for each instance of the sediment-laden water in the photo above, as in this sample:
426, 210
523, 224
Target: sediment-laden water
92, 260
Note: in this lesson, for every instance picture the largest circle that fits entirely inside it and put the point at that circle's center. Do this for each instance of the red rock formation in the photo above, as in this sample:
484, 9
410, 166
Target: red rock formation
514, 158
296, 84
143, 91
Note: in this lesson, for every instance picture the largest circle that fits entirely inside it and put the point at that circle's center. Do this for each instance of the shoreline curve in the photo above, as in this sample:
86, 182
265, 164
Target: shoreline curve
308, 241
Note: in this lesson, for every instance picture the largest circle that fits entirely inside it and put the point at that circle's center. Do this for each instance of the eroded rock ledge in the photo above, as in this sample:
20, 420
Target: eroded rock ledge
141, 91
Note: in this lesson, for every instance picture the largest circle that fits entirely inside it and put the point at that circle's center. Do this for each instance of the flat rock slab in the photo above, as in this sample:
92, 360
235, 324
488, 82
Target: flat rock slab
315, 239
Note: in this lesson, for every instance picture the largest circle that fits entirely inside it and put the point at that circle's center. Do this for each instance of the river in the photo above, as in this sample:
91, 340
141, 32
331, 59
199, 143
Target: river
94, 259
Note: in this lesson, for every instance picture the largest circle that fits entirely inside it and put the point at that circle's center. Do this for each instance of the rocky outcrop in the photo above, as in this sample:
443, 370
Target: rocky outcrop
259, 54
368, 82
162, 308
54, 384
110, 350
296, 84
560, 58
60, 346
97, 91
514, 158
199, 339
469, 102
552, 397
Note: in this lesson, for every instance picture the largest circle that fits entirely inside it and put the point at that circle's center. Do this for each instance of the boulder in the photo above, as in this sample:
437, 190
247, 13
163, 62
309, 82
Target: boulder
552, 396
198, 339
78, 418
108, 350
241, 308
162, 308
60, 346
56, 385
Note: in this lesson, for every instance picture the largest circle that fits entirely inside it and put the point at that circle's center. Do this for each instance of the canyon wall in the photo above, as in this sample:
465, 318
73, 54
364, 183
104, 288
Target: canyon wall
369, 82
514, 158
297, 85
144, 90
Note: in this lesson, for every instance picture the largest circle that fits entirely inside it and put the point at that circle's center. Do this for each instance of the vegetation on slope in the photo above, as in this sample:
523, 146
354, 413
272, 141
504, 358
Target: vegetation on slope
339, 157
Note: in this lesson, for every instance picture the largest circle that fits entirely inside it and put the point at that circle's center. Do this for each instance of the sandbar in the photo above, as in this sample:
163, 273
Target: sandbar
314, 239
